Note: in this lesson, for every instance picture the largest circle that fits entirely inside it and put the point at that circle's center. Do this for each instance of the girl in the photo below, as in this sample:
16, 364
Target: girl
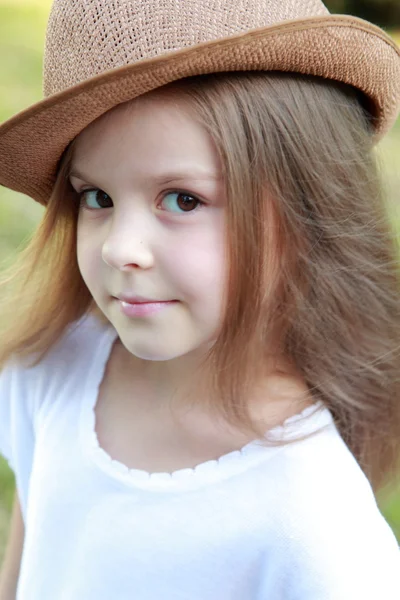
199, 387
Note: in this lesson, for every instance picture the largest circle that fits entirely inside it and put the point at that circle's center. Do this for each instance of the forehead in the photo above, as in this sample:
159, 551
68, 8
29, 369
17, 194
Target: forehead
158, 123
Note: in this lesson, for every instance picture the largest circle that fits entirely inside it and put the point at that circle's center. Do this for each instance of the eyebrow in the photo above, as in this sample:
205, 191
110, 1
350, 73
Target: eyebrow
163, 178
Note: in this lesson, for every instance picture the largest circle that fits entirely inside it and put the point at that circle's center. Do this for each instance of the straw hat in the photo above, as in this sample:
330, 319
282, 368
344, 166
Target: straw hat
101, 53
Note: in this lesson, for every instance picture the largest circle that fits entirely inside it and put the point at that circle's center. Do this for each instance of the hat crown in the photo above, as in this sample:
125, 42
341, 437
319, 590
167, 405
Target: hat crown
89, 37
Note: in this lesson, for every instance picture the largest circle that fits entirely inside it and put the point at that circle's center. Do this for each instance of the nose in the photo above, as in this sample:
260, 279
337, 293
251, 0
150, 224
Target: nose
128, 245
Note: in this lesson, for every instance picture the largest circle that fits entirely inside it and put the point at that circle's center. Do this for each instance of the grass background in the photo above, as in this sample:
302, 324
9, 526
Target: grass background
22, 32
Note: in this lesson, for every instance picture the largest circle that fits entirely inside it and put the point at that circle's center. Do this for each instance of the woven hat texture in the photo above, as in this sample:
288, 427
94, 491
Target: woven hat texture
109, 37
100, 53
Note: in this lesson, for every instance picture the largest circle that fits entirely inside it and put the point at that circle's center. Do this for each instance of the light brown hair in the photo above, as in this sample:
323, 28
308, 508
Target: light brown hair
313, 258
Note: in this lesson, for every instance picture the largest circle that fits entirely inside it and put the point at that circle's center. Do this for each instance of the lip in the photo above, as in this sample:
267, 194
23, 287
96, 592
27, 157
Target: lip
131, 299
139, 306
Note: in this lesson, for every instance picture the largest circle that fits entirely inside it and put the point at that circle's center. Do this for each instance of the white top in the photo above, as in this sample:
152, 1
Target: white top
298, 522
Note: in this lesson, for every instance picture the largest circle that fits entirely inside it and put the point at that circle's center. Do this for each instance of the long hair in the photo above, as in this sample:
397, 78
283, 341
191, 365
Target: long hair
313, 258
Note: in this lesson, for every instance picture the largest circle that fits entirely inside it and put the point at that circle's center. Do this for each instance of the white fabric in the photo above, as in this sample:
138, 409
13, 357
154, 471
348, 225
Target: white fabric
298, 522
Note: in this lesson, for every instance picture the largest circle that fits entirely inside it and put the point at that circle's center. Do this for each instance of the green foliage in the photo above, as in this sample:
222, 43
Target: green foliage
385, 13
21, 41
22, 31
391, 508
6, 485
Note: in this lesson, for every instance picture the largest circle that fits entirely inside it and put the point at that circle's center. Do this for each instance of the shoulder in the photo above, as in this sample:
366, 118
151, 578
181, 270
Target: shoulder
79, 337
25, 383
336, 543
33, 396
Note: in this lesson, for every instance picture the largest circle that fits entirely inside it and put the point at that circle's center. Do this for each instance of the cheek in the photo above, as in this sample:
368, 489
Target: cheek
88, 255
199, 266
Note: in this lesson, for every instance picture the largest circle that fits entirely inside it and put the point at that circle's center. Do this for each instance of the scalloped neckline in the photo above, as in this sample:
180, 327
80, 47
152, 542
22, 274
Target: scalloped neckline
204, 473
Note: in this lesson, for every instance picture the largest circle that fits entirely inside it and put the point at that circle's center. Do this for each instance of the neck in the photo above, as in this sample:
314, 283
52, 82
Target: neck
164, 381
181, 384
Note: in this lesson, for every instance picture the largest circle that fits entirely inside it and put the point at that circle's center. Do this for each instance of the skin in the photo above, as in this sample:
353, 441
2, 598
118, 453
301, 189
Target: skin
143, 243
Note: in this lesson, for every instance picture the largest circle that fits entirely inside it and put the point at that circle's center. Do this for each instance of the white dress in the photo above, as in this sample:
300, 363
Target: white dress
297, 522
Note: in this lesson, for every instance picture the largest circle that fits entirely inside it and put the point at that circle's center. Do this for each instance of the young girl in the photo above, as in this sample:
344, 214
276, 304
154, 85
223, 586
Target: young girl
199, 390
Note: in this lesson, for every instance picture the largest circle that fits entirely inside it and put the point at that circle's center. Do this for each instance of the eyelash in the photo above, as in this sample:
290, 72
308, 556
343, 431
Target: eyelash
81, 203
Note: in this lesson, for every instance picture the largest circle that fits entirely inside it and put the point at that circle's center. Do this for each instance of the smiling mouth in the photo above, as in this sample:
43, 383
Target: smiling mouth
147, 302
143, 308
131, 299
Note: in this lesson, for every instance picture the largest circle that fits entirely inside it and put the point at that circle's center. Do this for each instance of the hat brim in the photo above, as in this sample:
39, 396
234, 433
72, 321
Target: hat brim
340, 48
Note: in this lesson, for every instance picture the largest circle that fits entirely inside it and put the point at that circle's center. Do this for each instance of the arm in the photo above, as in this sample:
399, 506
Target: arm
11, 565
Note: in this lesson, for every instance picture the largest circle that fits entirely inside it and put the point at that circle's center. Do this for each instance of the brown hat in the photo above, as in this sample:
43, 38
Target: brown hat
100, 53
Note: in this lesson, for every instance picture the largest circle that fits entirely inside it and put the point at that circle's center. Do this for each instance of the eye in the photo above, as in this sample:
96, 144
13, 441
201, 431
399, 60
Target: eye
95, 199
181, 202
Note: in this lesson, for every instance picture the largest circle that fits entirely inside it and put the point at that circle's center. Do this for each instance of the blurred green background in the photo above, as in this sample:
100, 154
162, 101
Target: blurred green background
22, 31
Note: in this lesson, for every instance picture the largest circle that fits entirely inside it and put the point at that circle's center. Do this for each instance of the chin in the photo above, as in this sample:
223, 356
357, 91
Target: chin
153, 351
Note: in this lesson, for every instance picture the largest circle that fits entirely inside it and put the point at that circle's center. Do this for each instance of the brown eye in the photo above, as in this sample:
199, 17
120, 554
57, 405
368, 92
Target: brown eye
95, 199
180, 202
